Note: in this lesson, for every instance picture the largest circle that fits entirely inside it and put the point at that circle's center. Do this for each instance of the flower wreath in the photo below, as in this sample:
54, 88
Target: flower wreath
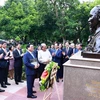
45, 82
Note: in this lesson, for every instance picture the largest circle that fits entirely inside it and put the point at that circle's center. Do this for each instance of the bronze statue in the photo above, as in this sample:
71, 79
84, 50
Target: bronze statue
93, 48
94, 23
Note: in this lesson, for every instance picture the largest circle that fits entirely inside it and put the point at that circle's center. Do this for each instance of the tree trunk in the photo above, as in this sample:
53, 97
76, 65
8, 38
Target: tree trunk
64, 40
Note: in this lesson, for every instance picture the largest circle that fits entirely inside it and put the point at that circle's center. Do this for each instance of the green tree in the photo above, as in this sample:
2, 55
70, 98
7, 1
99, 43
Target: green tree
18, 19
45, 20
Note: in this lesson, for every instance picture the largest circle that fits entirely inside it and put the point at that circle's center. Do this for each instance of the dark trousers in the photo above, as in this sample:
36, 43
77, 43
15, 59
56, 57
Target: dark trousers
58, 72
61, 71
4, 73
30, 82
18, 73
1, 78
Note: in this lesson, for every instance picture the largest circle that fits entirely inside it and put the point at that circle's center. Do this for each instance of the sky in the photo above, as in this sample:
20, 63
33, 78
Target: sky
2, 2
85, 0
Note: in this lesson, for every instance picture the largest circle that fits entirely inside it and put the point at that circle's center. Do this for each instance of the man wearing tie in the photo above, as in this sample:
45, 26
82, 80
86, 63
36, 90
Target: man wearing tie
5, 63
57, 55
18, 63
30, 70
67, 52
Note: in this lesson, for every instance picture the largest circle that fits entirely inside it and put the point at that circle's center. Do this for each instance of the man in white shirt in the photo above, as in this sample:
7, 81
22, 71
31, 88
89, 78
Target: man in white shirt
44, 57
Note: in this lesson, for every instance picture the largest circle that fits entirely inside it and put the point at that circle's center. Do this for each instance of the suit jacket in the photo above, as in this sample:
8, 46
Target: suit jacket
67, 53
3, 63
58, 56
17, 58
75, 50
29, 68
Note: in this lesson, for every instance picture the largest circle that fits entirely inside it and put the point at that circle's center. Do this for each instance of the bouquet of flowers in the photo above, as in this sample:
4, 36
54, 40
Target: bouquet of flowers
45, 77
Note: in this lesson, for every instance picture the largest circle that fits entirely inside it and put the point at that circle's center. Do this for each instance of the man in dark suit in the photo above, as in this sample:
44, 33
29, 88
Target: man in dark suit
57, 55
67, 52
18, 63
1, 55
30, 67
5, 64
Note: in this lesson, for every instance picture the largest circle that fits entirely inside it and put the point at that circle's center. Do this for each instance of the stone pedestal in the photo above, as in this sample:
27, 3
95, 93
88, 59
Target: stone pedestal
81, 78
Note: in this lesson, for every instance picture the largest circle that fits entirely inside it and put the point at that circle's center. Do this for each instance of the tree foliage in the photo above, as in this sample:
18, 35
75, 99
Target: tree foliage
18, 18
45, 20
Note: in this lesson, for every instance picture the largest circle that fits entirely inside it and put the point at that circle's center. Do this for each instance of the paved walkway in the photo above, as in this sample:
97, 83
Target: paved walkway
18, 92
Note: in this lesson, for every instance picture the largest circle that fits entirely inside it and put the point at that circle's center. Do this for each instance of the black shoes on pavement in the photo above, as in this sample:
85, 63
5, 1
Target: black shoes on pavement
21, 81
2, 90
57, 80
7, 84
4, 86
34, 92
33, 96
16, 83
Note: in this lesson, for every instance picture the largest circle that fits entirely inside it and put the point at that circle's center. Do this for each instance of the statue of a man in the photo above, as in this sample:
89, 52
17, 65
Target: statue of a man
94, 23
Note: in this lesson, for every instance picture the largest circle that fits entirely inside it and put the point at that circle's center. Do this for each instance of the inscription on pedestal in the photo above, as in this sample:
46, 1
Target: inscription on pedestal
93, 89
81, 82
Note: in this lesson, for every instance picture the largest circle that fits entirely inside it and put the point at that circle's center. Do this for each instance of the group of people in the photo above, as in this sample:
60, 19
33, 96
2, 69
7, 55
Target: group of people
10, 64
12, 59
59, 54
43, 56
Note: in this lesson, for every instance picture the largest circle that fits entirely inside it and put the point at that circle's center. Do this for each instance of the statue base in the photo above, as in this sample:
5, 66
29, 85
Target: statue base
87, 54
81, 78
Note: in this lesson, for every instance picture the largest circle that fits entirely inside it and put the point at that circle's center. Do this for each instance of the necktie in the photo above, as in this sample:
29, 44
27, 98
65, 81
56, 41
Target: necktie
67, 50
5, 51
19, 52
32, 55
56, 51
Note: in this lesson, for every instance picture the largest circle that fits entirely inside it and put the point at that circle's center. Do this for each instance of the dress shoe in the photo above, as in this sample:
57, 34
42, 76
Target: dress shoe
7, 83
33, 86
2, 90
21, 81
34, 92
16, 83
33, 96
4, 86
57, 80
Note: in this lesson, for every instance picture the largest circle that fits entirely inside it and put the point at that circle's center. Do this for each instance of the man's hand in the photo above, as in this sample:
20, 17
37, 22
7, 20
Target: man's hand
11, 57
6, 58
1, 55
22, 54
47, 61
37, 66
53, 54
63, 53
67, 57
